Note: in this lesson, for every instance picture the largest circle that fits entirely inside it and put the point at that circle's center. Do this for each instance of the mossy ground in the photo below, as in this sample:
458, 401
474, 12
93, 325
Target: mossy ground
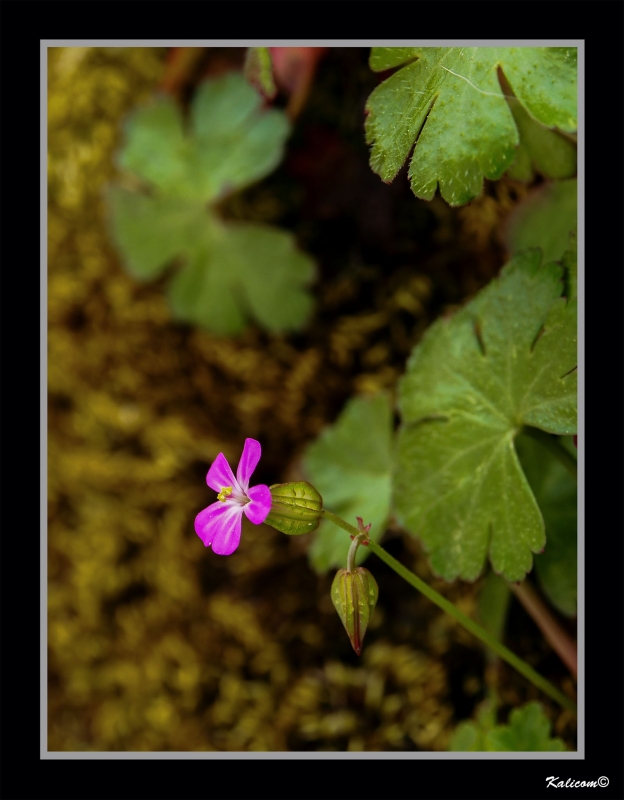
155, 643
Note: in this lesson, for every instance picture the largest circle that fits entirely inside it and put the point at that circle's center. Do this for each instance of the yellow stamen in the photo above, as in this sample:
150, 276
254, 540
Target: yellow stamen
225, 491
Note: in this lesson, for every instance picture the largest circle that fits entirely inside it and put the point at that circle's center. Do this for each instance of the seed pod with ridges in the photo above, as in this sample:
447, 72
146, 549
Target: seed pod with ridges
295, 508
354, 595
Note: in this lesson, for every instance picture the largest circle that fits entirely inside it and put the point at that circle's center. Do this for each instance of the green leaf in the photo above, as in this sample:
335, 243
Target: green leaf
528, 731
471, 736
507, 359
238, 142
555, 491
541, 149
151, 231
259, 70
242, 271
545, 218
350, 465
448, 101
232, 141
156, 147
232, 272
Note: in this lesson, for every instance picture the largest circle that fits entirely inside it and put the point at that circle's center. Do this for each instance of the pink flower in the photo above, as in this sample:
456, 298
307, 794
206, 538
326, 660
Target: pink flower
220, 524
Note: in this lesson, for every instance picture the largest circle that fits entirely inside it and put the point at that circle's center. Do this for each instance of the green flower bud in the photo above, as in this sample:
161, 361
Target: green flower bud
354, 594
295, 508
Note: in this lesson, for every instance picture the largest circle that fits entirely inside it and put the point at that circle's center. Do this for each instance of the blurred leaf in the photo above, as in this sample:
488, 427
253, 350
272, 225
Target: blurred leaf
151, 231
259, 70
507, 359
471, 736
244, 270
350, 465
157, 148
448, 101
541, 149
528, 731
232, 141
232, 271
545, 218
555, 491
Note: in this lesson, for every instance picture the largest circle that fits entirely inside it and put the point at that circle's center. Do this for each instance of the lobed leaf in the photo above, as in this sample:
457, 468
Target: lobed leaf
156, 147
545, 218
505, 360
447, 101
232, 272
232, 141
470, 736
244, 271
151, 231
238, 141
528, 730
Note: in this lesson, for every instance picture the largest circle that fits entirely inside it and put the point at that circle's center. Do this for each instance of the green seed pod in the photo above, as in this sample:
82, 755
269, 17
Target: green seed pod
295, 508
354, 594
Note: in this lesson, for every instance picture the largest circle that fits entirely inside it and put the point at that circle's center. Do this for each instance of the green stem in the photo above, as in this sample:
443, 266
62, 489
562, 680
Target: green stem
511, 658
357, 540
554, 446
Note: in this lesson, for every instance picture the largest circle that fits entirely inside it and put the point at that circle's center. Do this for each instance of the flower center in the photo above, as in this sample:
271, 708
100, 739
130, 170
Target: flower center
225, 492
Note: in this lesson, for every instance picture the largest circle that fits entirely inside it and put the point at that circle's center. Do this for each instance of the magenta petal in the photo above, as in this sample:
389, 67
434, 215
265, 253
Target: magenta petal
220, 526
248, 462
220, 475
257, 511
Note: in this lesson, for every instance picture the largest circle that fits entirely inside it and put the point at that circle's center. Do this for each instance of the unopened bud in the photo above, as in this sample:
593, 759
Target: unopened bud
295, 508
354, 594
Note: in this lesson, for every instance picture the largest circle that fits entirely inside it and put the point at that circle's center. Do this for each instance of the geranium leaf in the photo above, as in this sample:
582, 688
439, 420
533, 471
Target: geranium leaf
541, 149
232, 141
151, 231
470, 736
528, 730
545, 218
507, 359
449, 103
555, 491
232, 272
350, 465
238, 141
156, 148
240, 272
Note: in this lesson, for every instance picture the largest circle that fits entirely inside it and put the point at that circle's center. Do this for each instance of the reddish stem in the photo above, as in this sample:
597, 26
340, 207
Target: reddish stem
554, 634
